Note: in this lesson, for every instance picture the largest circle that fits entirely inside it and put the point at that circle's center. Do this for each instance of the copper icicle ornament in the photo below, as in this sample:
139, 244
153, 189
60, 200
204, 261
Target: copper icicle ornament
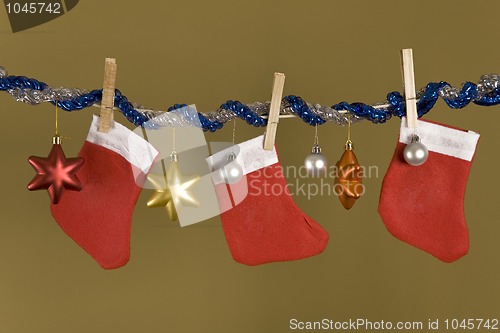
348, 181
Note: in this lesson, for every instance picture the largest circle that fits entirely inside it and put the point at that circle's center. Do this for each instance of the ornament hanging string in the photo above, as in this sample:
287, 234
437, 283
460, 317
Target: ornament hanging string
234, 131
349, 128
316, 137
57, 120
348, 142
173, 141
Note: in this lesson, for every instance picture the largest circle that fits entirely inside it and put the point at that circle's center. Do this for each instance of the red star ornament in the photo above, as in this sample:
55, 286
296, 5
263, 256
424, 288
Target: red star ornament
55, 173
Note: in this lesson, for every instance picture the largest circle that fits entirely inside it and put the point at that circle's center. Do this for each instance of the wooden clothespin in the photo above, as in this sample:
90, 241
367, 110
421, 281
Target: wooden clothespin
274, 111
108, 95
410, 91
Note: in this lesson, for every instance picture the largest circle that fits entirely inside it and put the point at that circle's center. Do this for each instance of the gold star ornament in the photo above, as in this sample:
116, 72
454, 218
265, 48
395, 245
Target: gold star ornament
175, 193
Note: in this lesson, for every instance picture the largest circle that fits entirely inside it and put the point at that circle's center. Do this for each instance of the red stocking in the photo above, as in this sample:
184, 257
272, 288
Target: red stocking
99, 217
266, 226
424, 205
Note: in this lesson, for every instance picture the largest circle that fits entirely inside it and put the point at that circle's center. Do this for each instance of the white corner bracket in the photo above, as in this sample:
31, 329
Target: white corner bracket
274, 111
409, 84
108, 95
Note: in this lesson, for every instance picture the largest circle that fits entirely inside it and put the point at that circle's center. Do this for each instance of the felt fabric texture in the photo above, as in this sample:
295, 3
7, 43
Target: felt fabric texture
424, 205
266, 226
99, 218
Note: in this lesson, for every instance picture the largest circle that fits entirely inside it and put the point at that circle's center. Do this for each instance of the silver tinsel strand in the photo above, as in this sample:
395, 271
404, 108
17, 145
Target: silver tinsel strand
486, 84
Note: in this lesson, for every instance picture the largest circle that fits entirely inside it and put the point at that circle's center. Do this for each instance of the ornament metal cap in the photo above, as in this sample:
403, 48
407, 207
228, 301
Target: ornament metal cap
415, 138
316, 149
56, 140
173, 156
231, 157
348, 145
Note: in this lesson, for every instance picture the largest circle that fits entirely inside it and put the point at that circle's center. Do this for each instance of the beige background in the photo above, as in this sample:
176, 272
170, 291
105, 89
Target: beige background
205, 52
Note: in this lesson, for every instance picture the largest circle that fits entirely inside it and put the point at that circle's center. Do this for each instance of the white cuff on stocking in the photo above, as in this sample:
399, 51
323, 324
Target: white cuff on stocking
441, 139
123, 141
250, 154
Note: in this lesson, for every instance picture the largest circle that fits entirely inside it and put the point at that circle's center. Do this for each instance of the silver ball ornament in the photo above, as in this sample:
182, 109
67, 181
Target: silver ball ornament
232, 172
315, 162
415, 153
